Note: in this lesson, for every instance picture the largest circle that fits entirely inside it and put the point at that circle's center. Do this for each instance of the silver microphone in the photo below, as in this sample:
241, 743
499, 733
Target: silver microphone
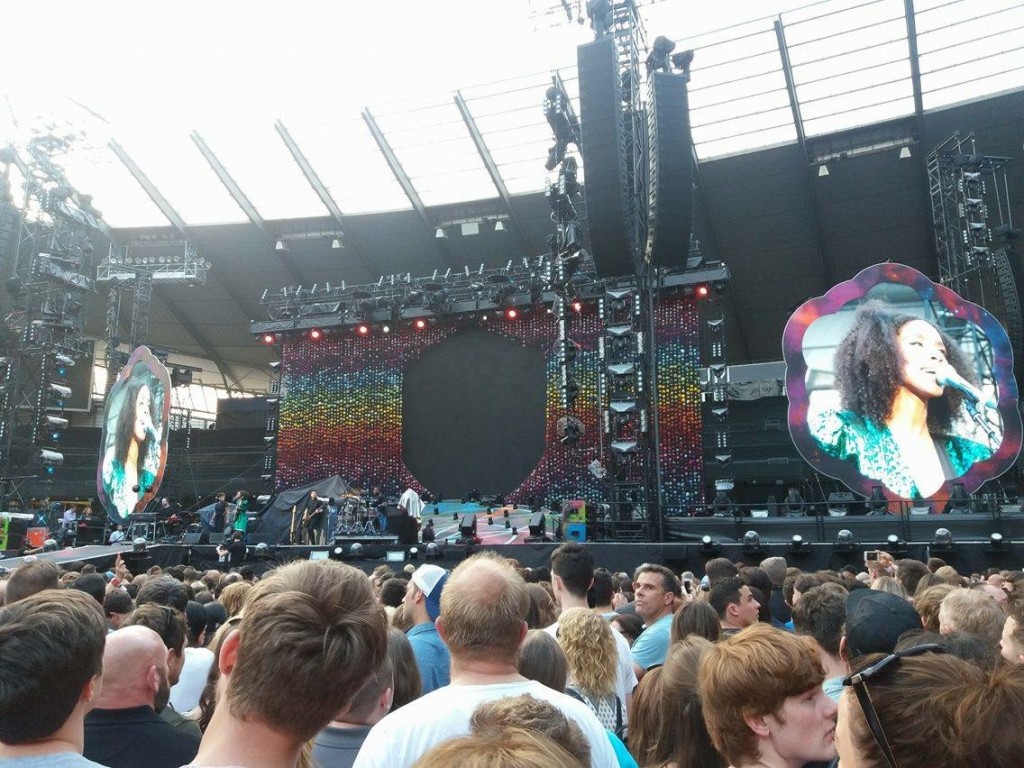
948, 377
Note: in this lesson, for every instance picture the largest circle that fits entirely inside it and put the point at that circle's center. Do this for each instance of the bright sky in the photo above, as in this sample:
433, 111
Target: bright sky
149, 73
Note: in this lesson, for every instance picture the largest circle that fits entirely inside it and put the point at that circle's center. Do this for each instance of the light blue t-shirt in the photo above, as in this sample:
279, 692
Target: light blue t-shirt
432, 656
59, 760
650, 649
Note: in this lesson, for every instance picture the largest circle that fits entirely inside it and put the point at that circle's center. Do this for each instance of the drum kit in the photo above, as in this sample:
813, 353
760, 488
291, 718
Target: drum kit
357, 518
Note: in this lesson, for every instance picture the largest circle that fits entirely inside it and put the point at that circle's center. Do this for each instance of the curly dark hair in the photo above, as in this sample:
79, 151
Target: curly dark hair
123, 432
868, 368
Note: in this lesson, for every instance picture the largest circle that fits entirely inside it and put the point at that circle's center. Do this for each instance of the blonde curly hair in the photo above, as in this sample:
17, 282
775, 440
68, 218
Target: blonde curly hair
590, 648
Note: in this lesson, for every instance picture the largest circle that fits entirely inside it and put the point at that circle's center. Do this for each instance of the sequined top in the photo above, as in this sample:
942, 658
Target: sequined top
850, 437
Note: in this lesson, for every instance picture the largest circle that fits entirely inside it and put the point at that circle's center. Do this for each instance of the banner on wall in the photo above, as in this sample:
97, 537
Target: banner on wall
898, 383
133, 449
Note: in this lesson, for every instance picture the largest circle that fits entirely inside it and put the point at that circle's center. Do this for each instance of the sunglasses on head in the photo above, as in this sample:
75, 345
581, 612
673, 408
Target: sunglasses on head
858, 681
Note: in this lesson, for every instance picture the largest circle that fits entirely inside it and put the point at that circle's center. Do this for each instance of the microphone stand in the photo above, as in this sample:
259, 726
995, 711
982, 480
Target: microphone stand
979, 419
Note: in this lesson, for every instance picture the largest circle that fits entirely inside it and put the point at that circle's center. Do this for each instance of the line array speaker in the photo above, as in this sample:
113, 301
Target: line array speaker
670, 184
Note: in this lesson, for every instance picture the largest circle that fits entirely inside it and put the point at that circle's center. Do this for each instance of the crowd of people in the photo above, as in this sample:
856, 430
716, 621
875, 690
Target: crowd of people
318, 664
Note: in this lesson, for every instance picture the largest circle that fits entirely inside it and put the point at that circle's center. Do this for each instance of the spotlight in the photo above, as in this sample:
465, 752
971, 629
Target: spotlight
385, 329
708, 547
315, 334
362, 329
943, 541
336, 244
419, 324
440, 234
752, 543
269, 338
280, 245
798, 546
844, 541
894, 544
577, 306
433, 552
356, 550
995, 543
702, 291
511, 313
139, 544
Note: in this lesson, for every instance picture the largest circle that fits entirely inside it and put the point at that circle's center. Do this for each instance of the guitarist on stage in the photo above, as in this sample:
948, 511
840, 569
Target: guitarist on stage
313, 519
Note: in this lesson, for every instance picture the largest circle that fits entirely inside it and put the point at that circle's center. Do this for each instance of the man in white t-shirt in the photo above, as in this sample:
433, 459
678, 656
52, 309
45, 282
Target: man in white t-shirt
482, 621
572, 573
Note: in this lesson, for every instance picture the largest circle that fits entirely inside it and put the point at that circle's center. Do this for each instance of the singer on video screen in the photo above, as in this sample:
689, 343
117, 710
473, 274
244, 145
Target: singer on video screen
903, 388
132, 455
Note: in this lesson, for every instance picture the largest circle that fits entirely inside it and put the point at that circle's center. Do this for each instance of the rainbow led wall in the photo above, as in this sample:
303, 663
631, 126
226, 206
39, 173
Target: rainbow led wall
341, 404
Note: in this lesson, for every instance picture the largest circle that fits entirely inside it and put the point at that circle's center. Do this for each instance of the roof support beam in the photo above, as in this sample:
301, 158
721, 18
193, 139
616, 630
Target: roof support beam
492, 168
243, 202
794, 105
204, 344
406, 183
915, 60
149, 188
325, 197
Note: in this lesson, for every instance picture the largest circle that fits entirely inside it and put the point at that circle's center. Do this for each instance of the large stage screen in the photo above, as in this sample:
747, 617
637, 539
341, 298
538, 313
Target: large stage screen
133, 449
349, 401
899, 384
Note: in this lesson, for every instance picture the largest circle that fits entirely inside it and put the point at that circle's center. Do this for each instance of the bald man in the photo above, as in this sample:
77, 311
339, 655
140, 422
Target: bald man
483, 623
124, 730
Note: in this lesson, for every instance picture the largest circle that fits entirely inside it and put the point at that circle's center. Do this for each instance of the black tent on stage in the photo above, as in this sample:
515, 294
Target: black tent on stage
276, 521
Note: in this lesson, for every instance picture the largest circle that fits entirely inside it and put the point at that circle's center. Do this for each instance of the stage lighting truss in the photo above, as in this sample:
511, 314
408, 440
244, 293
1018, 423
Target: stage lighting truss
165, 259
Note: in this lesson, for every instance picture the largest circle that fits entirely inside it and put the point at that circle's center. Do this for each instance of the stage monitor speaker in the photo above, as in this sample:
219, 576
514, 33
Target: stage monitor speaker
601, 127
216, 538
538, 525
670, 181
192, 538
467, 526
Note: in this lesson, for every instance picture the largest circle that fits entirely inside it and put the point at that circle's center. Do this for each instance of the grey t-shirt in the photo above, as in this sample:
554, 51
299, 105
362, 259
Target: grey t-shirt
59, 760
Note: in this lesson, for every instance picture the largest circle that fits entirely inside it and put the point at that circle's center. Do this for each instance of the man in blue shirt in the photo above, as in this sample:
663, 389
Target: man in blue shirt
655, 590
423, 605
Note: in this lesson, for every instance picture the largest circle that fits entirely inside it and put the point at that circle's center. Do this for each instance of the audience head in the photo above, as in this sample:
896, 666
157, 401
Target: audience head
927, 602
407, 685
720, 568
233, 597
875, 620
667, 720
909, 572
968, 610
51, 643
534, 715
483, 609
762, 697
933, 709
301, 619
93, 584
820, 614
135, 670
590, 649
374, 699
697, 618
31, 578
602, 589
542, 610
655, 590
163, 590
423, 593
733, 602
1011, 643
572, 569
629, 624
118, 607
775, 567
498, 748
542, 659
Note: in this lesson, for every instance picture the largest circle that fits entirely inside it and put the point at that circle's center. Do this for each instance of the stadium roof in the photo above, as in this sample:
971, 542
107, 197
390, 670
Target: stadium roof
860, 84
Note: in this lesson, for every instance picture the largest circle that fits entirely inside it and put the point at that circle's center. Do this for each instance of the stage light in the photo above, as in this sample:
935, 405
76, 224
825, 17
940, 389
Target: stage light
139, 544
440, 234
702, 291
708, 547
336, 244
658, 58
315, 334
943, 541
362, 329
752, 543
51, 458
356, 550
798, 546
844, 541
511, 313
995, 543
499, 226
905, 153
419, 324
269, 338
878, 504
433, 552
577, 306
894, 544
385, 329
822, 170
280, 245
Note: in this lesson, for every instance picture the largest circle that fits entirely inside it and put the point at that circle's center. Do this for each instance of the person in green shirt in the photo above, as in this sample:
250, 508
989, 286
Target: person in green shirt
898, 422
241, 512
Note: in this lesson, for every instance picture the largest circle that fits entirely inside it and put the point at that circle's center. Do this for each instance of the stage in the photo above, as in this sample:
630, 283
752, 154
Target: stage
973, 548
